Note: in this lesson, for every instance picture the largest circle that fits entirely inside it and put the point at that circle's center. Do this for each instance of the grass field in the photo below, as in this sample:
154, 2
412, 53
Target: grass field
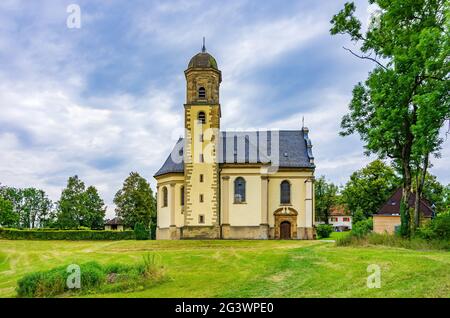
245, 268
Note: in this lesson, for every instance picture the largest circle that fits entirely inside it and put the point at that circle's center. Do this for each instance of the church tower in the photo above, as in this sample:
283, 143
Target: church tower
202, 131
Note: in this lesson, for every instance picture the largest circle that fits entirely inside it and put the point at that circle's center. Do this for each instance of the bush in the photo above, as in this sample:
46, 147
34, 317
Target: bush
94, 278
362, 228
70, 235
54, 282
324, 230
436, 229
140, 232
393, 240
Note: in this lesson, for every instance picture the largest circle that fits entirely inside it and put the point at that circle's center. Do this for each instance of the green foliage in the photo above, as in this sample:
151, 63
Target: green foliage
135, 202
369, 188
140, 232
94, 278
324, 230
54, 282
399, 110
79, 206
436, 229
362, 228
326, 197
31, 207
72, 235
7, 216
415, 243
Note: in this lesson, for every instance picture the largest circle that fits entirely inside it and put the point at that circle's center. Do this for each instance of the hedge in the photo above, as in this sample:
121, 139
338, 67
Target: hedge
70, 235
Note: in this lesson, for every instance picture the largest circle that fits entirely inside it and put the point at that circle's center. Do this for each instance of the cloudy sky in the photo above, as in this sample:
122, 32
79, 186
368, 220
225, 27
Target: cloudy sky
107, 99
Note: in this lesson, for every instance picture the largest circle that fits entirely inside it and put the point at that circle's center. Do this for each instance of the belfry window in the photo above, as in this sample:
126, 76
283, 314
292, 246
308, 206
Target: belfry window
201, 118
202, 93
239, 190
285, 191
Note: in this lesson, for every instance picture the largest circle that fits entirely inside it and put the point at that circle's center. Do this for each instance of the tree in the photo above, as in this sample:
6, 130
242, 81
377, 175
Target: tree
326, 197
79, 206
135, 202
94, 209
31, 206
399, 110
7, 216
368, 188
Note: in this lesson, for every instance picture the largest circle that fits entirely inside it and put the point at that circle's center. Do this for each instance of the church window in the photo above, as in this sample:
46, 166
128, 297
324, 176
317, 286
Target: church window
201, 198
202, 92
201, 118
239, 190
201, 178
165, 197
201, 219
201, 158
182, 196
285, 190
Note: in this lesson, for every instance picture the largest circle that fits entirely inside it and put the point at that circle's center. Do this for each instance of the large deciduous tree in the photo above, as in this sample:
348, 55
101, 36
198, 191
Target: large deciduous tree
7, 216
31, 207
79, 206
369, 188
135, 202
326, 196
399, 110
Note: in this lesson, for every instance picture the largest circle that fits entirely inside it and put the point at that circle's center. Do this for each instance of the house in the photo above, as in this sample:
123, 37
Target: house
232, 184
340, 218
115, 224
387, 219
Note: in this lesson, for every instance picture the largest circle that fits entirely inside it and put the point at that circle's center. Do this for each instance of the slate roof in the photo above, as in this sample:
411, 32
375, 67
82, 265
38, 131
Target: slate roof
294, 150
392, 205
114, 221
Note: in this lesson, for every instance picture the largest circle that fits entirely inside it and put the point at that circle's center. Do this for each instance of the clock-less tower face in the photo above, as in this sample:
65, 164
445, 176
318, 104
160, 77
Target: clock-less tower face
202, 124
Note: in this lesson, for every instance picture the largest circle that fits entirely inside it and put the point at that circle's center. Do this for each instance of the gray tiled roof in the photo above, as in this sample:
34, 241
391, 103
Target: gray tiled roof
294, 150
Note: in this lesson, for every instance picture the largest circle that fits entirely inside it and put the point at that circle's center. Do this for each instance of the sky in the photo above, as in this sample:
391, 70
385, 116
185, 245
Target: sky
107, 98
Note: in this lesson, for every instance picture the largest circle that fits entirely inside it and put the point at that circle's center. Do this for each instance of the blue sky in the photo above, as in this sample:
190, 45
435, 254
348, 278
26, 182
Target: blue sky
107, 99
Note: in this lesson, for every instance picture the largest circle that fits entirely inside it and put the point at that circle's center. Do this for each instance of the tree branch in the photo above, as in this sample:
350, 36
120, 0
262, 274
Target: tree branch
365, 57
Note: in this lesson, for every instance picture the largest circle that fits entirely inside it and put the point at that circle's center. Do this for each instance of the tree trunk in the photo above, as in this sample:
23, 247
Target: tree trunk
420, 181
405, 217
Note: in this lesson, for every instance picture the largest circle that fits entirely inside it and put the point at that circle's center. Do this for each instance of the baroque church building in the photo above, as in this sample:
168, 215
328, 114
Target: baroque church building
233, 184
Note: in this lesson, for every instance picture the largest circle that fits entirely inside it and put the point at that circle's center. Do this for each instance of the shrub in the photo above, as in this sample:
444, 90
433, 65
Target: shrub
362, 228
94, 278
393, 240
324, 230
71, 235
54, 282
436, 229
140, 232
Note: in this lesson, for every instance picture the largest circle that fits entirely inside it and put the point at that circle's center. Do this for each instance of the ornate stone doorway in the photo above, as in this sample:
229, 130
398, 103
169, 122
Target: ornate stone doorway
285, 223
285, 230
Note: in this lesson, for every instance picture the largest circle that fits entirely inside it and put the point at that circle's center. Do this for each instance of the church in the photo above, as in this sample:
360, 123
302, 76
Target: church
232, 184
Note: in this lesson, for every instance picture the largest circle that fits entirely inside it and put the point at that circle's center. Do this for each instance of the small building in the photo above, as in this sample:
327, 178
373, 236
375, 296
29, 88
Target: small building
115, 224
387, 219
340, 218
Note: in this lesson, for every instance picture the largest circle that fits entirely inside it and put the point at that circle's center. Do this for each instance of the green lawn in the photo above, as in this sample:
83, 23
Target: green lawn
245, 268
336, 235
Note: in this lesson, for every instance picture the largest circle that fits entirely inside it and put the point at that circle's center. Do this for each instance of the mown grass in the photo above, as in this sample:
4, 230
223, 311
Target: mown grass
245, 268
336, 235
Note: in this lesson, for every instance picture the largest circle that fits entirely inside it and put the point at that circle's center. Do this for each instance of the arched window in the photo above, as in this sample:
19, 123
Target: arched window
202, 118
239, 190
165, 197
182, 196
202, 93
285, 191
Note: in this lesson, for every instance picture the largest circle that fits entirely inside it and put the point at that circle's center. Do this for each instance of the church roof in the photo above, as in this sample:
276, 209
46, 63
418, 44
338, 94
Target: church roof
203, 60
294, 150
